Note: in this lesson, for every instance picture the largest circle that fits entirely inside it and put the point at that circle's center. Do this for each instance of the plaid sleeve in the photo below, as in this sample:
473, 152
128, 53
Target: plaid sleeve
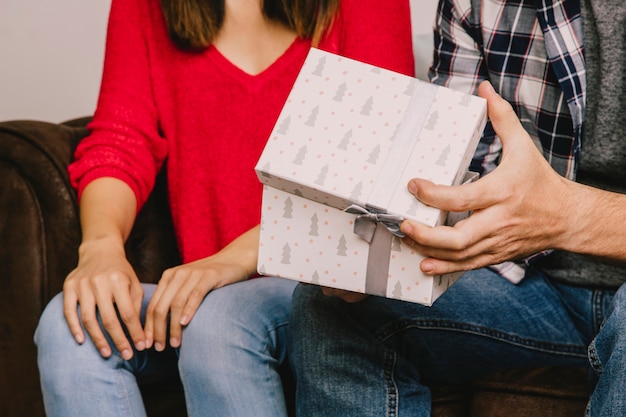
459, 63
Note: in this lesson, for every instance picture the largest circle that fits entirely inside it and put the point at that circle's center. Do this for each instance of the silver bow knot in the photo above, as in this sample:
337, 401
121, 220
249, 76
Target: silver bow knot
366, 221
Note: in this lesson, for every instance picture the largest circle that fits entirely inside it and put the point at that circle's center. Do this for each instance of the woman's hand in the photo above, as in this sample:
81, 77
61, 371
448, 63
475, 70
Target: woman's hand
104, 283
182, 289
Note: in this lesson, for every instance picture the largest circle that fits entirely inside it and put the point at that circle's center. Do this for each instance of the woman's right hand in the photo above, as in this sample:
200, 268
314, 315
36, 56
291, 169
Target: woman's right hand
104, 284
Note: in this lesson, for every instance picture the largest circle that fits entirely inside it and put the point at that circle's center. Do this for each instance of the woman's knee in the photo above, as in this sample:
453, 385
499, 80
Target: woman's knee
57, 351
241, 325
245, 312
52, 327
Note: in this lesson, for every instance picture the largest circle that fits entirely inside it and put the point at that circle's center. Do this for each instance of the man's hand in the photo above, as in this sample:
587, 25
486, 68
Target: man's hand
518, 209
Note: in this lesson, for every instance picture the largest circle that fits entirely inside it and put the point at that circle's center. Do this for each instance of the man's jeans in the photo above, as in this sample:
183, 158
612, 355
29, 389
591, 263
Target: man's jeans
377, 357
228, 360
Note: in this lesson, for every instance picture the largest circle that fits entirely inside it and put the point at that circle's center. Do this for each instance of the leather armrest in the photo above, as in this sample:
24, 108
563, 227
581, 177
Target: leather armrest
39, 235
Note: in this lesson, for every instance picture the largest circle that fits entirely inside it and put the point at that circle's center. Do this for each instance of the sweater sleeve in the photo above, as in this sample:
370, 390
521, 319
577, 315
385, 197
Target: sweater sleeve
373, 31
124, 140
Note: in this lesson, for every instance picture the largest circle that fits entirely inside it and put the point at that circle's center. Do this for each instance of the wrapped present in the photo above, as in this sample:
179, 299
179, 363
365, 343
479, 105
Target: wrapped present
335, 169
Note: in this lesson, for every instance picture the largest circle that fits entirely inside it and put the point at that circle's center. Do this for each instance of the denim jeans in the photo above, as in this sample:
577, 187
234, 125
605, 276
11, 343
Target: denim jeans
227, 361
377, 357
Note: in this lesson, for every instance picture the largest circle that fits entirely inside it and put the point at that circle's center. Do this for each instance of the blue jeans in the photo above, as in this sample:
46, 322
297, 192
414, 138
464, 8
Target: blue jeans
227, 361
377, 357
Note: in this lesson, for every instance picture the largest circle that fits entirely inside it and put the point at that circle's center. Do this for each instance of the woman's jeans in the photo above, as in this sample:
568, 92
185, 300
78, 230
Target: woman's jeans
227, 361
377, 357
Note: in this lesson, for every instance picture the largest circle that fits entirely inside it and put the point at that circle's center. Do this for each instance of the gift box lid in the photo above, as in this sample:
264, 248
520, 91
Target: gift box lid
352, 133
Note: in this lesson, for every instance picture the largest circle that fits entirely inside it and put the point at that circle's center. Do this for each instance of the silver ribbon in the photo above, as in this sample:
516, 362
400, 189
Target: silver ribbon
372, 223
377, 229
366, 221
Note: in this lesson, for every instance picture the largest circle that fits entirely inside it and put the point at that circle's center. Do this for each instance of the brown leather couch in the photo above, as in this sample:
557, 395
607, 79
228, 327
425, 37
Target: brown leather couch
39, 237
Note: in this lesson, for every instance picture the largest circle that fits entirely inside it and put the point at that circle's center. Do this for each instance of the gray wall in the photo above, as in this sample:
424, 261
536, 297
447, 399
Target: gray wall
51, 55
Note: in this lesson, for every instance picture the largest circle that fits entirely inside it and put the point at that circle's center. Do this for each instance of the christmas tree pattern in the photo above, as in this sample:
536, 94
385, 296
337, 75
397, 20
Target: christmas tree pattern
315, 278
443, 158
313, 230
286, 255
410, 88
356, 192
313, 117
284, 125
367, 107
319, 69
297, 192
374, 155
395, 132
466, 100
432, 121
343, 145
288, 209
261, 270
412, 210
341, 91
299, 159
375, 70
342, 247
321, 178
397, 291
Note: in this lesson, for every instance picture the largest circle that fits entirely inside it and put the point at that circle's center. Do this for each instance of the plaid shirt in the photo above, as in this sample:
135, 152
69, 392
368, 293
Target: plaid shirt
532, 52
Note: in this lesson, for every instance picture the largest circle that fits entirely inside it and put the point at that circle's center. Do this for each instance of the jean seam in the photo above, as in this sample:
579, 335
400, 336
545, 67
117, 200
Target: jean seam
598, 313
392, 389
554, 348
268, 351
121, 363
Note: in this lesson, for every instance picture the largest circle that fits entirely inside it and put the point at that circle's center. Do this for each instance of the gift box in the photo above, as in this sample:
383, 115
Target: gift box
335, 170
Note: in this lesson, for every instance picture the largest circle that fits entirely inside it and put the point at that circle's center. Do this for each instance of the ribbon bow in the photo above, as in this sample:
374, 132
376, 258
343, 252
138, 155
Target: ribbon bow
366, 220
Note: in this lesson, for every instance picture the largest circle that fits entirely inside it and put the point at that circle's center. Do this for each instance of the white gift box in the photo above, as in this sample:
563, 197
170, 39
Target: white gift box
350, 137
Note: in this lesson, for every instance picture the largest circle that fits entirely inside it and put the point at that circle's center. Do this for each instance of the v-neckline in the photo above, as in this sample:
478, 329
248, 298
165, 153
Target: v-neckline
277, 66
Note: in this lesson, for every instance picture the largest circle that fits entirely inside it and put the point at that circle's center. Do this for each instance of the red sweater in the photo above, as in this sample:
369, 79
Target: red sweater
206, 118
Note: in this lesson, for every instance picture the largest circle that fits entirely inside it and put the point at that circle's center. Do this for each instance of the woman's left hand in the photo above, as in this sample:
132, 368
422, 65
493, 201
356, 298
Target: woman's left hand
181, 289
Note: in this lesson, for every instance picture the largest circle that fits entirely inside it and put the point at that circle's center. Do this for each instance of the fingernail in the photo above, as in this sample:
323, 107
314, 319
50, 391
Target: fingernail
127, 354
140, 345
405, 227
428, 267
79, 339
105, 352
412, 187
184, 320
158, 347
174, 342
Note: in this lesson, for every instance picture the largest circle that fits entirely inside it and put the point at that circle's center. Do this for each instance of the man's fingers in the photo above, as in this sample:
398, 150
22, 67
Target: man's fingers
472, 196
425, 239
505, 122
